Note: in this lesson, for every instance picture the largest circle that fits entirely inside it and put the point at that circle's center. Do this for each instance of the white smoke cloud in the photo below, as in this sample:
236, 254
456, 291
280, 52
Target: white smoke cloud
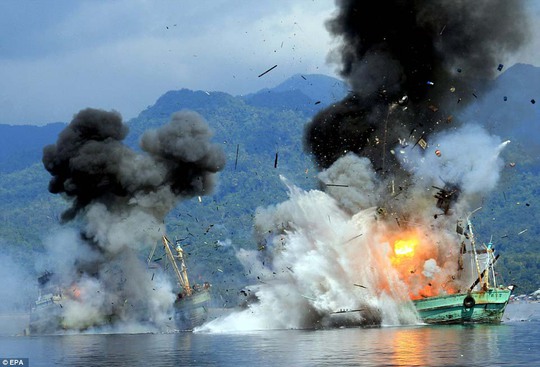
116, 292
469, 157
318, 261
430, 268
321, 253
132, 227
357, 186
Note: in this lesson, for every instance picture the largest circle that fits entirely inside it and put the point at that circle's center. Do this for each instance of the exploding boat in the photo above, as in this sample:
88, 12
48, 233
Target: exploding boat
190, 307
483, 302
192, 302
46, 315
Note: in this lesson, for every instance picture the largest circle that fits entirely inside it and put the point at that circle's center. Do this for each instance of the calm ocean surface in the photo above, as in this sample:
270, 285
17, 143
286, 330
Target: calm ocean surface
513, 343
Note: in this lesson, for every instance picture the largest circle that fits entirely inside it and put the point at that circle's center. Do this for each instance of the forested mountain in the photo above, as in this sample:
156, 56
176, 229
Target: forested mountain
22, 145
266, 128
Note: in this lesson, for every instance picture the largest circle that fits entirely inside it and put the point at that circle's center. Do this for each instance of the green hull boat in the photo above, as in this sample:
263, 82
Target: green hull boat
483, 302
474, 307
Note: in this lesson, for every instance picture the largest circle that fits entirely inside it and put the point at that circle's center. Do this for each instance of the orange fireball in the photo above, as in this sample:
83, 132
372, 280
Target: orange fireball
405, 247
411, 249
75, 291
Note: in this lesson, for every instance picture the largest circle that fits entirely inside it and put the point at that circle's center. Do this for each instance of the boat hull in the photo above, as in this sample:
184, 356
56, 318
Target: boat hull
189, 312
46, 320
475, 307
192, 311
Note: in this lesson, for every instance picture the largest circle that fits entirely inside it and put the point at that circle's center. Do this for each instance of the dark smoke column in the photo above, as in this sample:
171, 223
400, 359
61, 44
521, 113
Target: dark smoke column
183, 147
85, 161
410, 64
90, 164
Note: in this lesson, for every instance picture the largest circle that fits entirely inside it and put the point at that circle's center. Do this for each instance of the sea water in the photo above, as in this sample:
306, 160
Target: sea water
512, 343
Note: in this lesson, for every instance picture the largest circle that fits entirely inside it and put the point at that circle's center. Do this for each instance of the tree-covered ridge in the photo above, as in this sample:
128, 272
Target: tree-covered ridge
261, 135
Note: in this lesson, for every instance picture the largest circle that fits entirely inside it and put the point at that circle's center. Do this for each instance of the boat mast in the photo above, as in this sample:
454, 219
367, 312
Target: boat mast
473, 243
181, 274
491, 261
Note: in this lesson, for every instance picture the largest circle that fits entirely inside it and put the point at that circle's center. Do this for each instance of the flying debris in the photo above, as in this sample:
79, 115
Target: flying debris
422, 143
442, 30
354, 238
403, 100
236, 159
446, 196
335, 185
272, 68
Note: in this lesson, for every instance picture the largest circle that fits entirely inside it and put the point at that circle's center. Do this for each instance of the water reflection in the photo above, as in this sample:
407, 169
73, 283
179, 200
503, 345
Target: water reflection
444, 345
476, 345
408, 347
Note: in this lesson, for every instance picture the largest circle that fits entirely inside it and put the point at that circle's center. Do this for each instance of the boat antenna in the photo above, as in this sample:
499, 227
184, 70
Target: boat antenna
491, 261
473, 243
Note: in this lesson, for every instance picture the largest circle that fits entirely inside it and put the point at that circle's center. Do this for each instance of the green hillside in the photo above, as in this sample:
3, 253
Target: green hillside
261, 135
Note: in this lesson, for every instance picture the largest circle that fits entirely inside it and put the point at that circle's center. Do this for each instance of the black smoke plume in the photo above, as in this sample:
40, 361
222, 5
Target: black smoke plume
90, 164
411, 65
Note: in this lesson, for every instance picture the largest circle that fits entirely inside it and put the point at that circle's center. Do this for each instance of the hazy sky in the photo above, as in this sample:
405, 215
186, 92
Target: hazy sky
59, 56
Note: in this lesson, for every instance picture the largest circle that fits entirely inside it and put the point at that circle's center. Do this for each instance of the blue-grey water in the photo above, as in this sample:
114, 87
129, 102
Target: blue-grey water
509, 344
512, 343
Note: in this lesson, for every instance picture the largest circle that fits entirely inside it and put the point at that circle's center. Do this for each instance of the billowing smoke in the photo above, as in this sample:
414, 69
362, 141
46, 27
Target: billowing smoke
121, 198
411, 66
397, 169
341, 258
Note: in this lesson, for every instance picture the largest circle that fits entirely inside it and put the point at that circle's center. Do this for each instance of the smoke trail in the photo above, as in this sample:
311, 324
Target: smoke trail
122, 198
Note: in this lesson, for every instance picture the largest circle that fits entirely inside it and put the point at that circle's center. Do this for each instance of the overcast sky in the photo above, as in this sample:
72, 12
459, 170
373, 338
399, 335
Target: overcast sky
59, 56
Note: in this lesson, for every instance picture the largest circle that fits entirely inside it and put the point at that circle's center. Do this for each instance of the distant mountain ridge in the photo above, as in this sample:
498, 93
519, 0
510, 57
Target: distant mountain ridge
307, 93
22, 145
261, 135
